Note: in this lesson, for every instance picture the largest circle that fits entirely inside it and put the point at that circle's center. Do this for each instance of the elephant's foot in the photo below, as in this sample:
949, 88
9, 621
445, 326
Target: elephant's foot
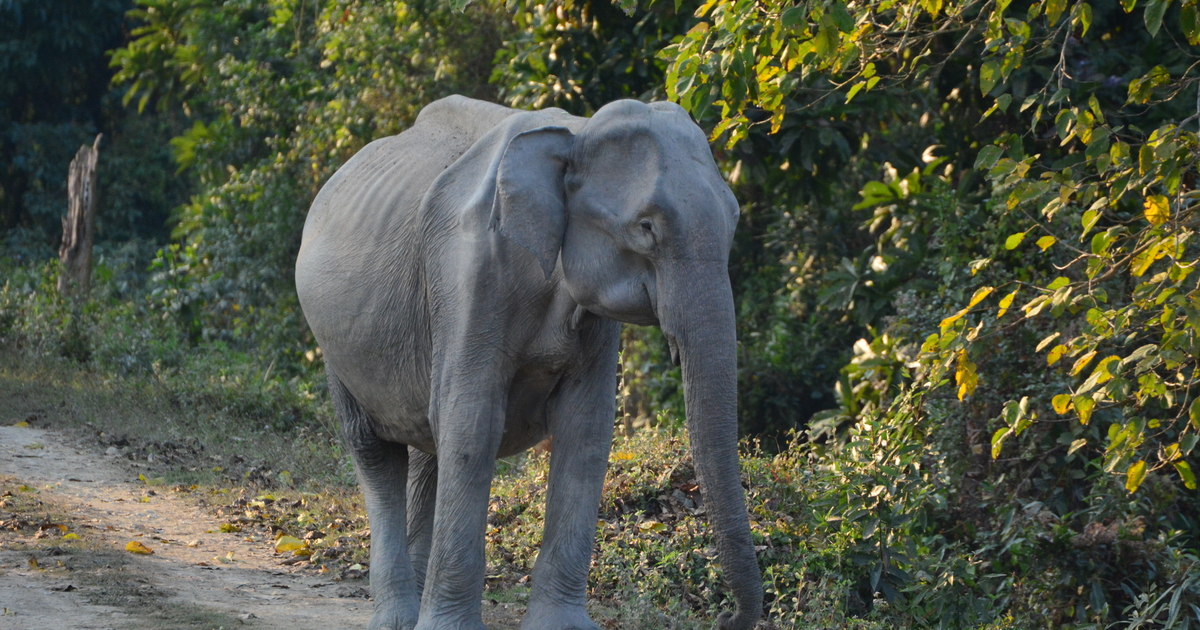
556, 617
450, 623
393, 617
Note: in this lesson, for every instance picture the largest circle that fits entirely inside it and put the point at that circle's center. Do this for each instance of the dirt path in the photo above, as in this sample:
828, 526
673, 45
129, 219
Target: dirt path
197, 577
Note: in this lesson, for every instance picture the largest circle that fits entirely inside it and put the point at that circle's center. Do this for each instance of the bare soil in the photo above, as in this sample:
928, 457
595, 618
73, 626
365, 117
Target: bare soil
197, 576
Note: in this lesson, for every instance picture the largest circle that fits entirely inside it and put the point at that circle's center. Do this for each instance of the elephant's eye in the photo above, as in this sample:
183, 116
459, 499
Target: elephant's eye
647, 225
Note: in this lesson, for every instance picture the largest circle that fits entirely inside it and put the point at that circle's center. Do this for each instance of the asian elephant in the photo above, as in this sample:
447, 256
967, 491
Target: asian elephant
466, 281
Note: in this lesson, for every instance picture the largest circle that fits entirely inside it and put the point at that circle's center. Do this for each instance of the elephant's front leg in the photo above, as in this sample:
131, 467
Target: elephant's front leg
381, 468
469, 411
581, 421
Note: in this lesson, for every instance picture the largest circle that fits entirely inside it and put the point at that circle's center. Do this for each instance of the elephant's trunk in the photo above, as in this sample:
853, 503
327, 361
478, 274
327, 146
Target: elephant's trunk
696, 313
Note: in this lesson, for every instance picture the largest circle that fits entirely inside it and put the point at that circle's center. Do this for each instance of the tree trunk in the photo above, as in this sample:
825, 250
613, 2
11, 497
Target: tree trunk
79, 226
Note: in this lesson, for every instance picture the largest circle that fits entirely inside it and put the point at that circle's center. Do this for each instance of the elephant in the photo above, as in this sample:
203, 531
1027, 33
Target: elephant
466, 281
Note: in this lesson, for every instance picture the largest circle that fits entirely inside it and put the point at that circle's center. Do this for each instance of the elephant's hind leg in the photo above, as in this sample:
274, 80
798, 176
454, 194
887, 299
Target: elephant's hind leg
382, 470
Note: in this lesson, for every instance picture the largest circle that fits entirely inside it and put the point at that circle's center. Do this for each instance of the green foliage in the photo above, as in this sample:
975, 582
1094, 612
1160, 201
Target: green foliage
280, 95
54, 97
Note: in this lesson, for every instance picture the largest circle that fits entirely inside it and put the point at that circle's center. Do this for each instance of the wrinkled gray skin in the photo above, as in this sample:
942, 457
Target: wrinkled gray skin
466, 281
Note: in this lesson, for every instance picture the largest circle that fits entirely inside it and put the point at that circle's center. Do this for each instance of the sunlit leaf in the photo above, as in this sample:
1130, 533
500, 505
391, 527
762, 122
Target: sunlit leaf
1005, 303
137, 547
1135, 475
1083, 406
1056, 353
1014, 240
1157, 210
289, 543
998, 440
965, 375
1185, 473
1082, 362
1046, 241
1061, 403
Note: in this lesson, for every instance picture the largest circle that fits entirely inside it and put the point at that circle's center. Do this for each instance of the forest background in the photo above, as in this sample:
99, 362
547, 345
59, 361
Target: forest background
968, 318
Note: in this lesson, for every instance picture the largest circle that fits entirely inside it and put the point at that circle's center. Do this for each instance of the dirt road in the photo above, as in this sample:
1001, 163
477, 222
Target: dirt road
197, 577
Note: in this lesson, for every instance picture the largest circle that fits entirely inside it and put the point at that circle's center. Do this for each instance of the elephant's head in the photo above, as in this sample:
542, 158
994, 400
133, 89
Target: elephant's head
639, 216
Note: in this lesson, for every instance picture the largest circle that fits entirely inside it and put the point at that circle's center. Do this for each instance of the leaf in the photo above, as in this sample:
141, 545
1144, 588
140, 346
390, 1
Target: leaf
1061, 403
229, 528
979, 295
1153, 17
987, 157
1076, 445
138, 548
1014, 240
1185, 473
21, 425
71, 536
1056, 353
1006, 302
793, 15
1083, 16
1088, 221
1194, 414
841, 17
1135, 475
1083, 407
152, 481
989, 74
1158, 210
289, 543
1046, 241
1082, 362
1054, 10
998, 440
1189, 16
965, 375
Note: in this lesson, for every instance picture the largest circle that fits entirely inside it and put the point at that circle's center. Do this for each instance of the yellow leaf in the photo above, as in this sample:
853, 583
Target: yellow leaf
1135, 475
22, 424
289, 543
1061, 403
144, 500
1006, 302
965, 375
1158, 210
305, 552
1102, 367
1082, 362
33, 563
1046, 241
622, 456
138, 548
229, 528
71, 536
1056, 353
979, 295
1083, 406
949, 321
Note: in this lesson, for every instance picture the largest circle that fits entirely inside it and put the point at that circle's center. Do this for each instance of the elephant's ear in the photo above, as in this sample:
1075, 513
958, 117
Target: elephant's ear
530, 204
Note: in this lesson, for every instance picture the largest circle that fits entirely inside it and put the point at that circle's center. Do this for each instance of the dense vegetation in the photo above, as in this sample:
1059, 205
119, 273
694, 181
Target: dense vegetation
968, 318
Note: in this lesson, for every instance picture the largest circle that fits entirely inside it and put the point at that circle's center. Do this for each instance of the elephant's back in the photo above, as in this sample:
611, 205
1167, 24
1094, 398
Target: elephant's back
358, 273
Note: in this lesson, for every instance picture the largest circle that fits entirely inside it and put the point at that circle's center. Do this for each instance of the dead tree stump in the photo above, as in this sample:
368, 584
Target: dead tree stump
79, 226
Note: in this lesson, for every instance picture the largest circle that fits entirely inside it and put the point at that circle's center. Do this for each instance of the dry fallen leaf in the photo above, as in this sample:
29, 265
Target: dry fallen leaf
71, 536
22, 424
229, 528
289, 543
138, 548
33, 563
194, 543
